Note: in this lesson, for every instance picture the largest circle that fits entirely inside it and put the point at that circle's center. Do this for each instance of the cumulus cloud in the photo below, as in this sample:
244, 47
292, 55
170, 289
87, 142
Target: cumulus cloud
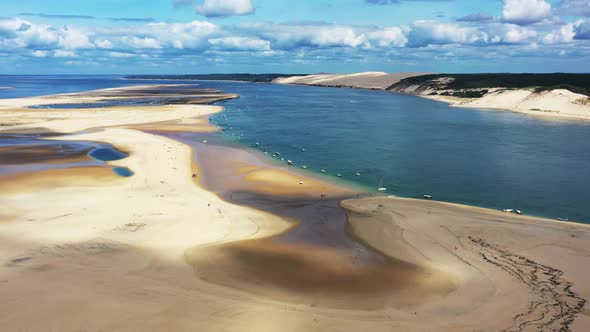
224, 8
561, 35
514, 34
525, 11
425, 33
241, 44
317, 35
301, 42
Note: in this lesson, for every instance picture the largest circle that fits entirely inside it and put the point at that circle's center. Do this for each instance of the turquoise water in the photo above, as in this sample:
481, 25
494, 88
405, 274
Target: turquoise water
107, 154
411, 145
123, 171
111, 154
415, 146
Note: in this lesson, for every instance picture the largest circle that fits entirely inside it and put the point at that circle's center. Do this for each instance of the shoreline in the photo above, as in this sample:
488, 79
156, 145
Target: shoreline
491, 101
162, 218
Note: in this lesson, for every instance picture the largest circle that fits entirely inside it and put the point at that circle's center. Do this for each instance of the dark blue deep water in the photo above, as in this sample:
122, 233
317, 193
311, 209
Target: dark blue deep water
416, 146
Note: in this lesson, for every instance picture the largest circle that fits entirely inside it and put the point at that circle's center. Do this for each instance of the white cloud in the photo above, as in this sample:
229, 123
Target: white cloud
241, 44
565, 34
432, 32
140, 42
514, 34
103, 43
120, 55
525, 11
388, 37
293, 36
64, 54
40, 54
223, 8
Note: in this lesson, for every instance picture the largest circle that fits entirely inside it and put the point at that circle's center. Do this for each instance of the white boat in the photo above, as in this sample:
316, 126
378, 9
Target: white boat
289, 162
357, 174
304, 167
563, 219
427, 196
518, 212
508, 210
380, 187
323, 171
339, 175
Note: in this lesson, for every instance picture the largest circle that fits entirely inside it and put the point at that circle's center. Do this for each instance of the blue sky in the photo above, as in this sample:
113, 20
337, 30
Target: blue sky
305, 36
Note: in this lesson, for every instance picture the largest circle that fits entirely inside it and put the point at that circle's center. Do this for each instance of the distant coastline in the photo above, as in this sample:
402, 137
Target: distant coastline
255, 78
557, 95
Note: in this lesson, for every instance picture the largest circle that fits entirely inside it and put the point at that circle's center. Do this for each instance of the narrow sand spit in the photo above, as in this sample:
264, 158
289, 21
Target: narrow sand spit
83, 249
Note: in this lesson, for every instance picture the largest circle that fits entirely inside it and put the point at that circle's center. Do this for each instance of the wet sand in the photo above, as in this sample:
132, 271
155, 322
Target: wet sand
314, 262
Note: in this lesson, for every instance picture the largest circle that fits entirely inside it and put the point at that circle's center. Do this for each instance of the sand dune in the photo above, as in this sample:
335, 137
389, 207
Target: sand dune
364, 80
556, 103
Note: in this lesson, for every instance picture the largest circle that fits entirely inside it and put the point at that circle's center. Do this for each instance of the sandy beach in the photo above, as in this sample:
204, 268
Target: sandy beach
214, 238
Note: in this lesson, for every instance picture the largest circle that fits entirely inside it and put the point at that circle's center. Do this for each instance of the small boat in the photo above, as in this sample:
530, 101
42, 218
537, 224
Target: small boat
427, 196
302, 149
508, 210
289, 162
257, 143
339, 175
563, 219
357, 174
380, 187
518, 212
278, 153
300, 182
274, 155
323, 171
204, 141
304, 167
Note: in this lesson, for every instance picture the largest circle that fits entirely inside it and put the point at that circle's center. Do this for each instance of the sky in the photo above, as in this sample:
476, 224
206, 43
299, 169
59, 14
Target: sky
298, 36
